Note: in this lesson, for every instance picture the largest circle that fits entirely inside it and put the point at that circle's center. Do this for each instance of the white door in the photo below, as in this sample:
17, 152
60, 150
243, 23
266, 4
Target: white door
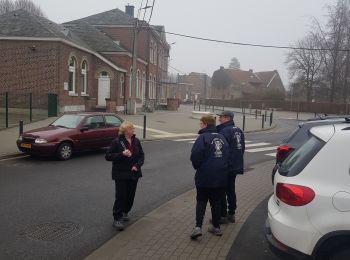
103, 90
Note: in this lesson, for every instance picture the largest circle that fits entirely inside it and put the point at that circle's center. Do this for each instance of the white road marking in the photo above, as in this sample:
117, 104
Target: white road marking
182, 140
192, 142
153, 130
271, 154
261, 149
257, 144
174, 135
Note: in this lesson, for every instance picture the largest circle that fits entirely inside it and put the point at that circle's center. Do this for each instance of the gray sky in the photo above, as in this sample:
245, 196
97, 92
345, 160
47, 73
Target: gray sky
268, 22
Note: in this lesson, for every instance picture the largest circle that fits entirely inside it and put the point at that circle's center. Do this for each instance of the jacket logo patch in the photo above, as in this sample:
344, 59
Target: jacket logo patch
217, 145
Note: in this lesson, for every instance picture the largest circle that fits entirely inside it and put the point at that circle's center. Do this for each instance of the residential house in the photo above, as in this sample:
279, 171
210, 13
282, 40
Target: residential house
239, 84
193, 86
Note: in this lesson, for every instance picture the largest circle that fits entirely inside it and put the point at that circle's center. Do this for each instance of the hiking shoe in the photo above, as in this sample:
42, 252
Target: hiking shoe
231, 218
215, 231
118, 225
125, 217
196, 232
223, 220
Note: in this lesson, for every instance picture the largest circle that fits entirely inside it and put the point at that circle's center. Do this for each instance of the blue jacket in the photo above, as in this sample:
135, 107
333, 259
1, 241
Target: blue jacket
235, 139
209, 156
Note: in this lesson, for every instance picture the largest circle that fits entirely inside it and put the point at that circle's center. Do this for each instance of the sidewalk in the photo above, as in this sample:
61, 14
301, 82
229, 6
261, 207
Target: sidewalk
160, 125
164, 232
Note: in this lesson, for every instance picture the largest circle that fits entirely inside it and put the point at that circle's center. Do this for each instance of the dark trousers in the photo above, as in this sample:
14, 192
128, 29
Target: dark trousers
124, 197
228, 202
214, 195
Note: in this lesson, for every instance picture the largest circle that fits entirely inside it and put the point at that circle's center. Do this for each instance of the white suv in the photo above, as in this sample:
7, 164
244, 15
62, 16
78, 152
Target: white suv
309, 212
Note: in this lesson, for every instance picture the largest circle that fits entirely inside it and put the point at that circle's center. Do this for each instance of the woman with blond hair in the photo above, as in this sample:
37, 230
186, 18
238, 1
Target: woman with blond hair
127, 156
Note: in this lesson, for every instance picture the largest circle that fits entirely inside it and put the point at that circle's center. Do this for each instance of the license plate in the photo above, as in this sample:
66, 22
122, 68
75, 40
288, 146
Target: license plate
26, 146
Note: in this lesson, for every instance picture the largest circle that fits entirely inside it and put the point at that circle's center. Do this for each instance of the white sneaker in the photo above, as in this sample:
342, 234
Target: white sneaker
196, 232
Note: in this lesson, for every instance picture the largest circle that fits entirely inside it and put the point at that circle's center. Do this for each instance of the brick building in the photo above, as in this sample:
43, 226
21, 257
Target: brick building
237, 84
87, 62
193, 86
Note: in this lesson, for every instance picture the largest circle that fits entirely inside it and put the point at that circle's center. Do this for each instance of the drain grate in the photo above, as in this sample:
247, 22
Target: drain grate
53, 231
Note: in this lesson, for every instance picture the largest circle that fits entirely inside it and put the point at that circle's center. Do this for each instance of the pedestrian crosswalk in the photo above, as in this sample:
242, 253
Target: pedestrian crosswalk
251, 146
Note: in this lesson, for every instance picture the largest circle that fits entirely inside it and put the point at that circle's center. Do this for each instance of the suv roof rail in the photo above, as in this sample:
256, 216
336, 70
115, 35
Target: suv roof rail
326, 116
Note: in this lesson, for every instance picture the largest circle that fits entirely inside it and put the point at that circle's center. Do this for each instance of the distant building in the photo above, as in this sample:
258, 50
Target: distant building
236, 84
193, 86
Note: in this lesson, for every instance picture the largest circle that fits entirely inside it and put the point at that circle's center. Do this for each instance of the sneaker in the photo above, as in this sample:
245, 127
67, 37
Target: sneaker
118, 225
196, 232
231, 218
125, 217
223, 220
215, 231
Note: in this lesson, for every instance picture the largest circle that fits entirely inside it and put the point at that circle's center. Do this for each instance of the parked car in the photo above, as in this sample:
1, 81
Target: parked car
309, 212
71, 133
300, 134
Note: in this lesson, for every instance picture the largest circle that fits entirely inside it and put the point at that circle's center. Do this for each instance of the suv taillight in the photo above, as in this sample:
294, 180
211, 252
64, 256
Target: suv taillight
294, 195
282, 152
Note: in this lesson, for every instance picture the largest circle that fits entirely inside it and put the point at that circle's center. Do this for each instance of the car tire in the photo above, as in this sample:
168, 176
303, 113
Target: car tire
342, 254
65, 151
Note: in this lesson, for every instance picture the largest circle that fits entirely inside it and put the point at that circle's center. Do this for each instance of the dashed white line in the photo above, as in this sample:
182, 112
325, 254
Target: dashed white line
271, 154
257, 144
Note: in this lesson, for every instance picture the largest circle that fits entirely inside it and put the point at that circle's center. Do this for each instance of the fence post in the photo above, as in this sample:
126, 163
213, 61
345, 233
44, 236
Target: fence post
243, 123
144, 126
30, 107
271, 114
194, 105
262, 121
199, 105
7, 109
265, 115
20, 127
256, 114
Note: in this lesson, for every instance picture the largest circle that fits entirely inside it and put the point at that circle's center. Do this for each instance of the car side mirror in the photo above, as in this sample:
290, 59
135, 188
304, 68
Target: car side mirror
84, 128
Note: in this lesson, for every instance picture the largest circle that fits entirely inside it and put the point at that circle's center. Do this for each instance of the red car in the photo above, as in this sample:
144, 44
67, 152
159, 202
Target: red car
71, 133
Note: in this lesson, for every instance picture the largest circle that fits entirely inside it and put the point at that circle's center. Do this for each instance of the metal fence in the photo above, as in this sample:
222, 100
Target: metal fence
28, 107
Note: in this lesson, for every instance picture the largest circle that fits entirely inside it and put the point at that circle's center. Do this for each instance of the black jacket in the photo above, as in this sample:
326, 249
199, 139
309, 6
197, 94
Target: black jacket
121, 169
235, 139
209, 156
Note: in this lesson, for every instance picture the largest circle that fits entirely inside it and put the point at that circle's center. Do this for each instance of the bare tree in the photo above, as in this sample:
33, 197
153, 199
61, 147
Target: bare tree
6, 6
234, 64
333, 38
28, 5
304, 64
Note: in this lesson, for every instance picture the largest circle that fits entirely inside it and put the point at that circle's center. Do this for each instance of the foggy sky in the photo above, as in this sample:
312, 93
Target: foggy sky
268, 22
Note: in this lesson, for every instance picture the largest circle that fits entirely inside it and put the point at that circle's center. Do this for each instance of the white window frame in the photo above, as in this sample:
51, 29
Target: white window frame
84, 74
72, 69
155, 54
138, 85
121, 86
151, 52
130, 82
150, 86
154, 87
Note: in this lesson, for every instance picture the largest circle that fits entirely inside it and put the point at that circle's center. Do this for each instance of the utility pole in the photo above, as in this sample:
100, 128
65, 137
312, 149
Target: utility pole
205, 90
134, 70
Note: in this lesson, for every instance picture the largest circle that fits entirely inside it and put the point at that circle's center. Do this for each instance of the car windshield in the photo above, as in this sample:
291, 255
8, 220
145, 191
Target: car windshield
297, 160
68, 121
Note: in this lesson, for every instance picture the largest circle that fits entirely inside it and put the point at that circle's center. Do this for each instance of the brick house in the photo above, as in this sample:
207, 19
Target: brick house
77, 61
152, 52
237, 84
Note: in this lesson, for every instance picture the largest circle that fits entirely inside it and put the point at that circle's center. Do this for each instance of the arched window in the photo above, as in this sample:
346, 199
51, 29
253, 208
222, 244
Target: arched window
84, 78
71, 77
150, 87
130, 82
138, 84
121, 86
154, 87
155, 54
143, 90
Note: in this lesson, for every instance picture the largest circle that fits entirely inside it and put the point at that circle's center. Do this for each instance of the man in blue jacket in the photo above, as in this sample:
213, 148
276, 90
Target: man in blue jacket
209, 156
235, 139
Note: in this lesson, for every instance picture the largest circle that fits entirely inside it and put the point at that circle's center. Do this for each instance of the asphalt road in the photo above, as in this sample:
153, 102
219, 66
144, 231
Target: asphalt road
41, 197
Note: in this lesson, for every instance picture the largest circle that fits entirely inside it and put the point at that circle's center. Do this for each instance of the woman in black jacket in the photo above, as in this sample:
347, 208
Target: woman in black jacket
127, 156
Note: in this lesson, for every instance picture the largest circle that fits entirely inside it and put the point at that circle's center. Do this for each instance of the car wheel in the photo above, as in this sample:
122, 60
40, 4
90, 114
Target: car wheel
65, 151
342, 254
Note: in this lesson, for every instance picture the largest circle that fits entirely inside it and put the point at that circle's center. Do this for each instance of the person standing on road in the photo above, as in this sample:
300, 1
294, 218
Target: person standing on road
209, 157
235, 139
127, 156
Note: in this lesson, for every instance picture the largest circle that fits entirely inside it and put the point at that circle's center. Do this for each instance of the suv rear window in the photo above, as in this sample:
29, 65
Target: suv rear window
298, 159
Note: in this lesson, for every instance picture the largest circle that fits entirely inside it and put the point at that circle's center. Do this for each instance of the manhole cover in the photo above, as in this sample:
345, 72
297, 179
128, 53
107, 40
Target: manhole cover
53, 231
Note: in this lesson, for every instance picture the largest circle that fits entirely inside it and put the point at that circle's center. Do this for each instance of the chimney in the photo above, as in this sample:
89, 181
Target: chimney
129, 9
250, 70
221, 67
